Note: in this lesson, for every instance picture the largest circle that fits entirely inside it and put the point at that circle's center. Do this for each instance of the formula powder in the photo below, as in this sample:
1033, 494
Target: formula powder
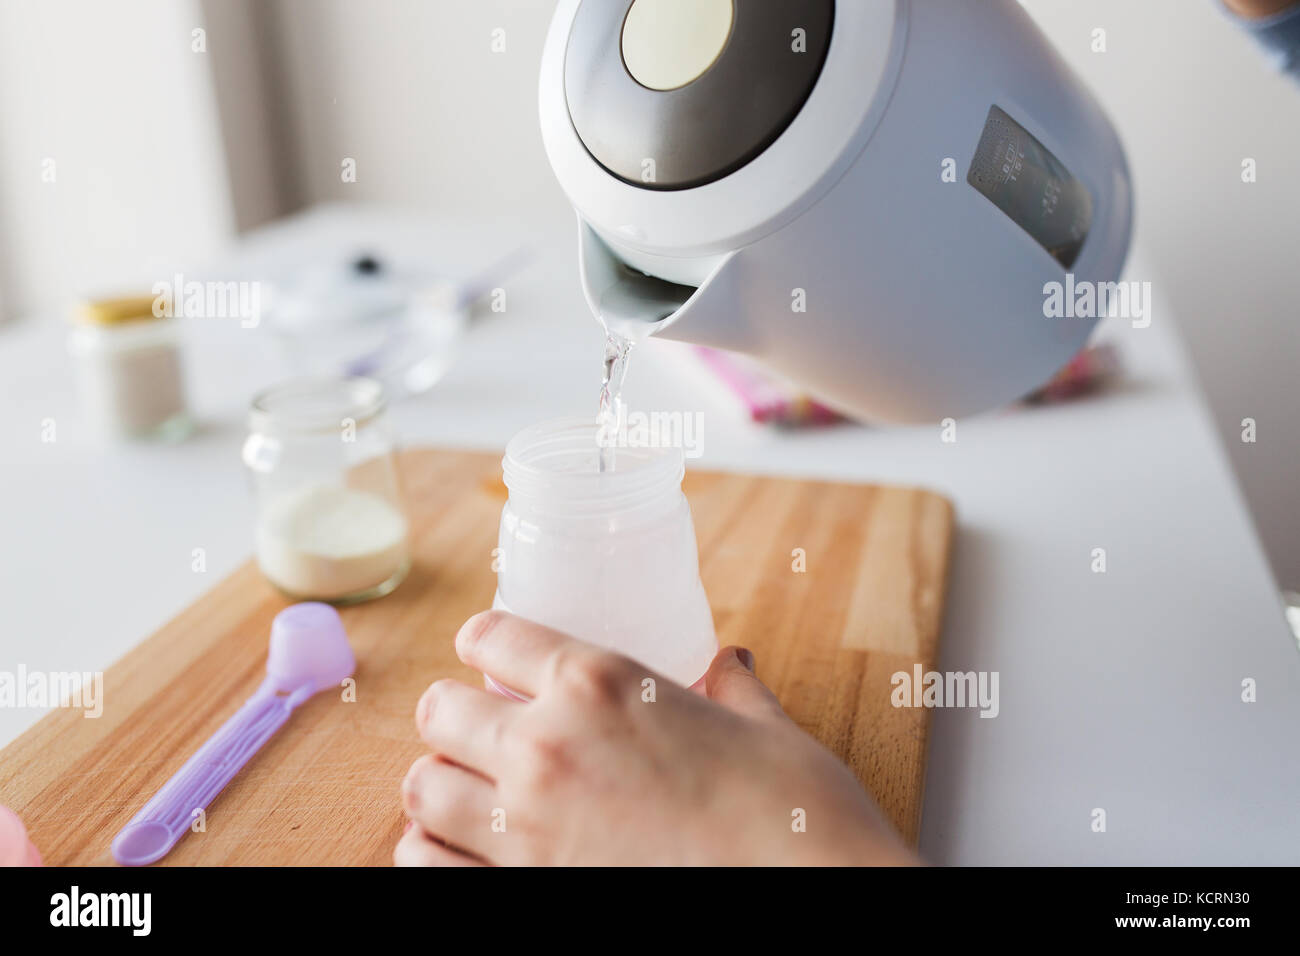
331, 543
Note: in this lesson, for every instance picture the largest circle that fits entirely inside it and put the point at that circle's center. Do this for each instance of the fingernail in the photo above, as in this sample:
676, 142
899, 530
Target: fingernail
409, 824
746, 658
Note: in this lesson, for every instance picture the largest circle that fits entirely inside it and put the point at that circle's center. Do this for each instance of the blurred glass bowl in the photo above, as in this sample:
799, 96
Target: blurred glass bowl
358, 319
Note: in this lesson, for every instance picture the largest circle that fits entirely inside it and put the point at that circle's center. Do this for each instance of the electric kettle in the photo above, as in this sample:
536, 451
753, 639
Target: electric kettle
874, 197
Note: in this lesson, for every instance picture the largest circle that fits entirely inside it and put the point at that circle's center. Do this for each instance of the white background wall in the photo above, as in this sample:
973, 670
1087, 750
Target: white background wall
412, 90
113, 94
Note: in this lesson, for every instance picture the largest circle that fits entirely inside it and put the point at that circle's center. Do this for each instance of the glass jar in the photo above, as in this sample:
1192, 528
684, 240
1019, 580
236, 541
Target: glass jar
608, 557
330, 521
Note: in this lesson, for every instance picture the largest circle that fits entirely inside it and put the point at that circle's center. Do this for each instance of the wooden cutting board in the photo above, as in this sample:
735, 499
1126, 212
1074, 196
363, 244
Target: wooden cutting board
325, 789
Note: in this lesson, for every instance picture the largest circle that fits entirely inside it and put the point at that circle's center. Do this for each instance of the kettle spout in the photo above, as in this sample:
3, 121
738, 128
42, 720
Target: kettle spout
691, 300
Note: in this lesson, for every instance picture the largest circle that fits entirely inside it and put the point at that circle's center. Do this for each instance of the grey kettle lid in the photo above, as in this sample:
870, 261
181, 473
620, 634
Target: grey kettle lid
742, 71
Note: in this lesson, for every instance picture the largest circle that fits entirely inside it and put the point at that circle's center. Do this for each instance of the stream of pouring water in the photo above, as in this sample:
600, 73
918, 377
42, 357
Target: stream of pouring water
629, 311
609, 419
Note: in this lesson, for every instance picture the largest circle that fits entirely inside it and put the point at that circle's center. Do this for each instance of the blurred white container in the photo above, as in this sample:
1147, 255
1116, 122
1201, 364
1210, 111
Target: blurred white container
129, 370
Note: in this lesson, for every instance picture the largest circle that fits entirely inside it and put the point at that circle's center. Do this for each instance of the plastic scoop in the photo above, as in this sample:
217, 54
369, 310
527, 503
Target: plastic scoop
309, 653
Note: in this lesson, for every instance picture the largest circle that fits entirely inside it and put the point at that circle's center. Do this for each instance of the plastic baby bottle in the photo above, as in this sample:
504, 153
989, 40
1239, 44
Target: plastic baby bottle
607, 556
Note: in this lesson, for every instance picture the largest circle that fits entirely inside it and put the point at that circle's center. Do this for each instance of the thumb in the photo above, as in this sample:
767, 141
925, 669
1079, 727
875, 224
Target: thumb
731, 682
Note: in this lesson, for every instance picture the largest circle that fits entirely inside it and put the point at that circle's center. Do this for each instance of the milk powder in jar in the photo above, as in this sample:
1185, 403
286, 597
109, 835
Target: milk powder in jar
330, 524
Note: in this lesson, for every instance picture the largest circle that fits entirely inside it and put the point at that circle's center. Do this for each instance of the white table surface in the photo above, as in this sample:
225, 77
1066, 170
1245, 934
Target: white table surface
1119, 690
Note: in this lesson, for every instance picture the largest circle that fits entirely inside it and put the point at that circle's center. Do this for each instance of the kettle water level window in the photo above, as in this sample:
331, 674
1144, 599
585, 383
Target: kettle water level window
1020, 176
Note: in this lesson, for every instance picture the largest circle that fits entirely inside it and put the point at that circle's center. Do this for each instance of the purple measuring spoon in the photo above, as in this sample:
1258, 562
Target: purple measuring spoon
309, 653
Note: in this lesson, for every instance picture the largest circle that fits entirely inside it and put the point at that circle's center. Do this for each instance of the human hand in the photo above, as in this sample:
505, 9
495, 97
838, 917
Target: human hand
596, 770
1254, 9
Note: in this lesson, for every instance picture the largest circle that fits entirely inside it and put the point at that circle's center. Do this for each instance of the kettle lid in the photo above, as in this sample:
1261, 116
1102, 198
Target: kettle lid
674, 94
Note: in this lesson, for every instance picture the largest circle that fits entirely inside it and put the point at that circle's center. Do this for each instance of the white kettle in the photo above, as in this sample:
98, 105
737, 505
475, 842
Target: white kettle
872, 196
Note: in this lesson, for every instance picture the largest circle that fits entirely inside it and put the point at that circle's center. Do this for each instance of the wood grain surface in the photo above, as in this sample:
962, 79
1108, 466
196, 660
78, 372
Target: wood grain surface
324, 791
